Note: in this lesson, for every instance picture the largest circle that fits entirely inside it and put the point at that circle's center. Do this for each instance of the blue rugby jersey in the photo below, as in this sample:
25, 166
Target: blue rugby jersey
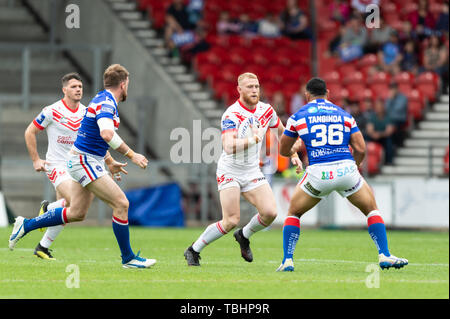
325, 128
88, 139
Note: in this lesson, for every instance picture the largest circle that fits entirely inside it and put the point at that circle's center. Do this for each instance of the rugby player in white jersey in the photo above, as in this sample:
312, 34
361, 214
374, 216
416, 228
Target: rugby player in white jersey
86, 165
244, 124
327, 132
61, 121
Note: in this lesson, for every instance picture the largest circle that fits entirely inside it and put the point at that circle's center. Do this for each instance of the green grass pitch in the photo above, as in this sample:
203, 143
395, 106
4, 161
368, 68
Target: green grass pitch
328, 264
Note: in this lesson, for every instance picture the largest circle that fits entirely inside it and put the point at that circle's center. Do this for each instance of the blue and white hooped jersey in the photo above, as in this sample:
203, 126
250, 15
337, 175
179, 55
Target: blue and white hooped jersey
88, 138
325, 128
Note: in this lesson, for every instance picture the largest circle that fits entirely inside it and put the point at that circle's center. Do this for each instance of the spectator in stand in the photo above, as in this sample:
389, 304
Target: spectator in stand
422, 20
380, 129
195, 10
378, 37
410, 62
295, 22
270, 26
389, 56
279, 105
340, 11
177, 22
298, 100
361, 5
407, 33
248, 27
197, 45
435, 59
367, 106
361, 118
226, 25
353, 39
396, 106
442, 21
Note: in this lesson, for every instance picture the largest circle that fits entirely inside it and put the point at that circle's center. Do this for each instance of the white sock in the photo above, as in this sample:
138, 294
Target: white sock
50, 235
211, 233
254, 225
59, 203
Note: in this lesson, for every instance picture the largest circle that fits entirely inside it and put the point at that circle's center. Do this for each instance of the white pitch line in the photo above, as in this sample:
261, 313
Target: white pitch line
327, 261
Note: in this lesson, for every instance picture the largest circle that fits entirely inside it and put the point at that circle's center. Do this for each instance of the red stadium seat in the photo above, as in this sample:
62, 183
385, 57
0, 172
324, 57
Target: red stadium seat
353, 78
338, 94
206, 70
224, 89
416, 104
230, 72
346, 68
332, 77
374, 158
327, 65
239, 55
379, 77
270, 88
380, 90
405, 81
367, 60
262, 56
427, 83
357, 91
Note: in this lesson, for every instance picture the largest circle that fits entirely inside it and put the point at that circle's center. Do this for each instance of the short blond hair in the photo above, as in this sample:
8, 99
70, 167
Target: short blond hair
246, 75
114, 75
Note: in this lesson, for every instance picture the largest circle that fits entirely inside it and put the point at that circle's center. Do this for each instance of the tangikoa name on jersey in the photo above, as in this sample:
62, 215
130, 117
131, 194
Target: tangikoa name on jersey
325, 119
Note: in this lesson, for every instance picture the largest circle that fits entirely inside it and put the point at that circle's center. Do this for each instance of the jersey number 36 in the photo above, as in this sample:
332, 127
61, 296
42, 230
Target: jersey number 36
333, 134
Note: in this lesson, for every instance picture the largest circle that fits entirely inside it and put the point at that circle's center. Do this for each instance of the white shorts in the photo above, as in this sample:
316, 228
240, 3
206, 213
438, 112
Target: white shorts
85, 169
57, 173
245, 180
322, 179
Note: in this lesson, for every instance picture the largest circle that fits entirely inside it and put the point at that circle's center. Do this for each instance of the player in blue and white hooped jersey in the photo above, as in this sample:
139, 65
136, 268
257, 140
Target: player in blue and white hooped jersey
86, 165
327, 132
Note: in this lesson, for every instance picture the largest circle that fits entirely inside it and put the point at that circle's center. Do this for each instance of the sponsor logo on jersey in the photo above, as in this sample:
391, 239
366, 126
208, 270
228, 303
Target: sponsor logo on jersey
40, 118
108, 109
228, 124
64, 140
99, 168
258, 179
313, 109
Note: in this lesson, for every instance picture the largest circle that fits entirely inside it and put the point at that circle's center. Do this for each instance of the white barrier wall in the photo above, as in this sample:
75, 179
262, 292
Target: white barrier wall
403, 202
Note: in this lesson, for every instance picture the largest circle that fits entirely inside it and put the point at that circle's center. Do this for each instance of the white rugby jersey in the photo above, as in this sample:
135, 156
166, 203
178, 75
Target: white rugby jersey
62, 125
234, 116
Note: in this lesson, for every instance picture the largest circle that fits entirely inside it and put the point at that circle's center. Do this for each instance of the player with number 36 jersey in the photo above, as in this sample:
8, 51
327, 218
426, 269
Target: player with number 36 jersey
328, 132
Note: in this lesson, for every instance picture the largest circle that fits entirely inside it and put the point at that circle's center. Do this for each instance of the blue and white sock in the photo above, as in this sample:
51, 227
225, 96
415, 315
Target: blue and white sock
291, 233
53, 217
122, 233
377, 232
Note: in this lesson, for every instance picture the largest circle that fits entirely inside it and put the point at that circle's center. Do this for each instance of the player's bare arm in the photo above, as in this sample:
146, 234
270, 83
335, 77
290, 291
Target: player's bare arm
31, 143
232, 144
115, 167
359, 147
113, 139
295, 160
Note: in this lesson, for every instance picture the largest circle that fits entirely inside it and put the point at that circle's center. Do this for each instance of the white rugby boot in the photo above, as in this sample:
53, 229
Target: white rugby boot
288, 265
